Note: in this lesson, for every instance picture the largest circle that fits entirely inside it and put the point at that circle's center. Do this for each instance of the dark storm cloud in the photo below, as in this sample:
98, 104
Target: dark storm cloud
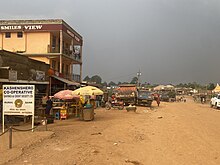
171, 41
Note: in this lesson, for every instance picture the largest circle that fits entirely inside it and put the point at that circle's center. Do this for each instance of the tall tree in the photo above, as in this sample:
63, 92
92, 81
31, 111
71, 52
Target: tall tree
105, 84
112, 84
96, 79
134, 80
86, 79
211, 86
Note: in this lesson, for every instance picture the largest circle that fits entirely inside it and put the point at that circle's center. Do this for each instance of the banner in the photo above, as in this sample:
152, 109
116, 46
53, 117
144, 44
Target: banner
18, 99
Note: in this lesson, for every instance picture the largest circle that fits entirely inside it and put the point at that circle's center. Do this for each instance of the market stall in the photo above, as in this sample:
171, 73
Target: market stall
65, 104
87, 101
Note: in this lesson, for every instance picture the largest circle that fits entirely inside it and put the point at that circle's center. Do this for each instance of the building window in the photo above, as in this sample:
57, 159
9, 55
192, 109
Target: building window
53, 64
19, 34
7, 35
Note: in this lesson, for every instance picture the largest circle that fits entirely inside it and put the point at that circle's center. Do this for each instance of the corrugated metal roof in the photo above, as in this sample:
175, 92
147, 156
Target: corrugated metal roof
65, 80
127, 89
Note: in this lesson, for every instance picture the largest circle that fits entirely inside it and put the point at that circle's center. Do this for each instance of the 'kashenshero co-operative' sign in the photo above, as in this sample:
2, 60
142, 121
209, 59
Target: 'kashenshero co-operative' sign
18, 99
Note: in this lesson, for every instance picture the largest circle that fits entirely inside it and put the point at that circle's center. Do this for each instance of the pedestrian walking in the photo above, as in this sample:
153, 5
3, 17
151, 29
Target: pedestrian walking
49, 105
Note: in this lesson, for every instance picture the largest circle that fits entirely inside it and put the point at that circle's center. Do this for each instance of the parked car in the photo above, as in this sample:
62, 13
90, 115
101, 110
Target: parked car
215, 101
144, 98
168, 96
164, 97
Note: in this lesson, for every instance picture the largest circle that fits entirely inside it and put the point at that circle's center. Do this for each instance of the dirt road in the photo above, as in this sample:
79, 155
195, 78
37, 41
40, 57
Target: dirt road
172, 134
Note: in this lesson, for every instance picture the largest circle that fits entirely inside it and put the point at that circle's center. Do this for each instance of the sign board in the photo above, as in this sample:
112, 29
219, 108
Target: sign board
18, 99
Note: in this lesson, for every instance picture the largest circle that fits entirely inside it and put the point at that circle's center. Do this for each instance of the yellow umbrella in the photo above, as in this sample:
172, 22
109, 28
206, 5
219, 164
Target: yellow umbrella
88, 90
1, 94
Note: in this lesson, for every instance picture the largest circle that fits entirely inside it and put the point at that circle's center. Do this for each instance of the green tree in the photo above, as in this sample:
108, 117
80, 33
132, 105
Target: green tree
96, 79
211, 86
134, 80
86, 79
112, 83
180, 85
105, 84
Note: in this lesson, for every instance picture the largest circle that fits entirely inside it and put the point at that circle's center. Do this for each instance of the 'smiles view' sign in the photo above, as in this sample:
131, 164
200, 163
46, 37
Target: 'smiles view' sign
18, 99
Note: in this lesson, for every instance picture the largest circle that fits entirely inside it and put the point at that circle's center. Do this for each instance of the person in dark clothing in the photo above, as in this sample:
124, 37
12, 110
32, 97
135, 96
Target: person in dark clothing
203, 99
48, 106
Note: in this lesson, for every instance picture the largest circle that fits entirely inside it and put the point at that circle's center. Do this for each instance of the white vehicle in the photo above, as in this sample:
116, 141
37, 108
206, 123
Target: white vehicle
215, 101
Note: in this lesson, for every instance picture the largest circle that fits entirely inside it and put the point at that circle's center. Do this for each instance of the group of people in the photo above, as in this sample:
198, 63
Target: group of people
202, 98
181, 99
94, 101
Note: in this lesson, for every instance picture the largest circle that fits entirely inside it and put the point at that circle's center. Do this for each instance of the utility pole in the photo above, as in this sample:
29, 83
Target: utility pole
138, 80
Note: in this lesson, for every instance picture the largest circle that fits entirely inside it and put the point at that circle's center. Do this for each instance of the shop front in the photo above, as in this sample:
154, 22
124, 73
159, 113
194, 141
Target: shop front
59, 83
17, 69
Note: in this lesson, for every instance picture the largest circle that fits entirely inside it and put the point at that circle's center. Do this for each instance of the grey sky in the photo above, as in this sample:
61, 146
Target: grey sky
170, 41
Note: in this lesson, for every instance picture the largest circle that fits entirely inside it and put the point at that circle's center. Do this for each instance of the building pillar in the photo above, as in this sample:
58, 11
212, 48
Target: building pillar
81, 53
81, 63
2, 47
25, 42
71, 71
61, 50
61, 61
80, 72
72, 49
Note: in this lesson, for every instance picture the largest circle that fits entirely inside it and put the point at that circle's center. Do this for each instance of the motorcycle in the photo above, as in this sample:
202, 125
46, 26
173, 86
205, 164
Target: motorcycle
114, 104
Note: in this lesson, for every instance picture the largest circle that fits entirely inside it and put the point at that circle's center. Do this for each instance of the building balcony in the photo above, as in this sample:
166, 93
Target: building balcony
66, 52
68, 76
76, 77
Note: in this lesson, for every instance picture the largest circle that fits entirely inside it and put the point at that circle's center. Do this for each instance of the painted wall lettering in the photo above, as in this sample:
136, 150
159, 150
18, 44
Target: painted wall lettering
33, 27
11, 27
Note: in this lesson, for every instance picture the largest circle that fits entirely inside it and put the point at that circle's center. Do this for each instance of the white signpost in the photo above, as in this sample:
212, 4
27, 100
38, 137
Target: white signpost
18, 100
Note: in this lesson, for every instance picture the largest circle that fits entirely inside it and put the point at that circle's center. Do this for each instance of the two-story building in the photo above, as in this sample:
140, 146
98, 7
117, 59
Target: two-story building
51, 41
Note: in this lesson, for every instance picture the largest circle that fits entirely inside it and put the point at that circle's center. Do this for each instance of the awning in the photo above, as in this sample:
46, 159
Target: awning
23, 81
68, 82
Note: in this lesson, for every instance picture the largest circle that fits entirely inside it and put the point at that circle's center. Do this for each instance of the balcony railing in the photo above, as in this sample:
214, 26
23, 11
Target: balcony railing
51, 49
76, 57
74, 77
67, 52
